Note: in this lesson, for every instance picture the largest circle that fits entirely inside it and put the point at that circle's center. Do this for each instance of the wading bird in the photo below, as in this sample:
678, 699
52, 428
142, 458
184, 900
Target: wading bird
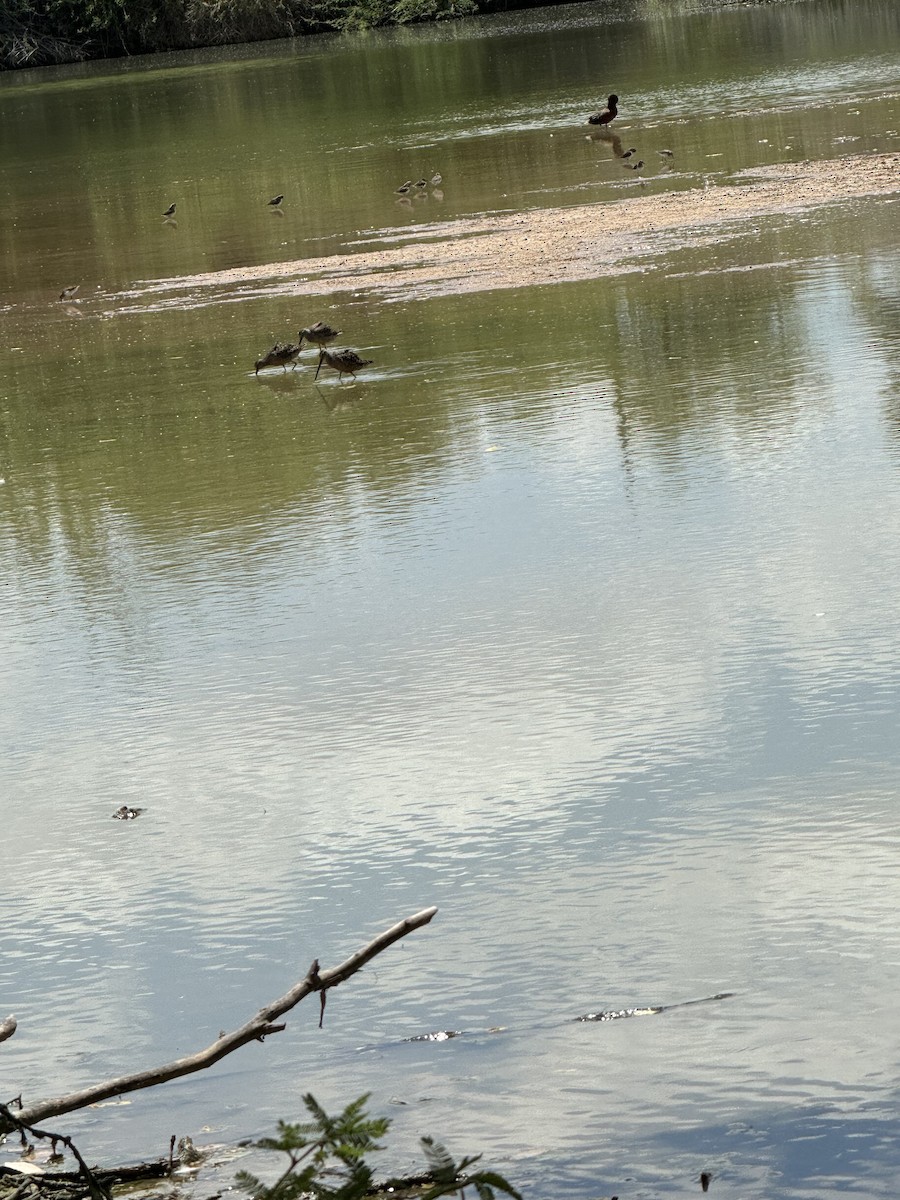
345, 362
69, 292
279, 356
276, 201
319, 334
404, 188
605, 115
170, 211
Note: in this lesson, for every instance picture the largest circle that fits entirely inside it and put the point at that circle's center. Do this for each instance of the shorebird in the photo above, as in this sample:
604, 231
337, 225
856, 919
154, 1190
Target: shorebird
170, 211
666, 153
404, 188
69, 292
628, 153
634, 166
345, 362
319, 334
422, 183
279, 356
437, 179
276, 201
605, 115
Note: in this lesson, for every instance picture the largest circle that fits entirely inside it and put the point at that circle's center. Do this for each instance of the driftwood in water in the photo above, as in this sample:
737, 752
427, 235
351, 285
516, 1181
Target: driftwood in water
256, 1029
160, 1168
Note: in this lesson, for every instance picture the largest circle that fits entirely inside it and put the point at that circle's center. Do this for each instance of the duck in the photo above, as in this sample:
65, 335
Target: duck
605, 115
345, 362
126, 813
319, 334
278, 356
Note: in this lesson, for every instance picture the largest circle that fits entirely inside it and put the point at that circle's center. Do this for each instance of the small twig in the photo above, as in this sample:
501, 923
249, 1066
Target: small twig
315, 981
96, 1189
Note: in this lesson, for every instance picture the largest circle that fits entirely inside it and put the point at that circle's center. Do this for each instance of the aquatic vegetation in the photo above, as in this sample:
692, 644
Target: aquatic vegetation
327, 1160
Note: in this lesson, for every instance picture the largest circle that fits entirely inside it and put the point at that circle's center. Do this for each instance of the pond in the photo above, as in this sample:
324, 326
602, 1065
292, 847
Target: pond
574, 615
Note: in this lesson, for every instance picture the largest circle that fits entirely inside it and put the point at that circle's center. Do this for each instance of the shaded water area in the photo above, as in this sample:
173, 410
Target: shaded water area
575, 615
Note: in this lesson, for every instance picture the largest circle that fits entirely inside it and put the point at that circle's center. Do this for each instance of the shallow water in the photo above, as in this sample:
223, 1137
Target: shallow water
574, 616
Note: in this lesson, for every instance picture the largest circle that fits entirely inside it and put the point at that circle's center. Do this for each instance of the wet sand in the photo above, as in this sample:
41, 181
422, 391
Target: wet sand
549, 245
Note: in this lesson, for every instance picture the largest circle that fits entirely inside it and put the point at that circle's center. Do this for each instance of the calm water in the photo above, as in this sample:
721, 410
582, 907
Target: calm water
576, 616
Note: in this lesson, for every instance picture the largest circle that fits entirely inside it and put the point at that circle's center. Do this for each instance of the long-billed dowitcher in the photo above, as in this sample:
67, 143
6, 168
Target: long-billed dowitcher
605, 115
279, 356
345, 362
319, 334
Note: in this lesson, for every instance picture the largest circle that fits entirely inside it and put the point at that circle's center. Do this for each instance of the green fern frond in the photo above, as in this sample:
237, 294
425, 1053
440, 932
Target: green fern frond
440, 1161
486, 1182
326, 1160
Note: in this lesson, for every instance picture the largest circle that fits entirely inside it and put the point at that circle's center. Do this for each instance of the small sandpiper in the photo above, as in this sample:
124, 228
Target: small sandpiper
345, 362
319, 334
279, 356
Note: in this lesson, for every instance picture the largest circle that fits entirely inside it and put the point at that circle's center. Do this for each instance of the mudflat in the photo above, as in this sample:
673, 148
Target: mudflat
555, 245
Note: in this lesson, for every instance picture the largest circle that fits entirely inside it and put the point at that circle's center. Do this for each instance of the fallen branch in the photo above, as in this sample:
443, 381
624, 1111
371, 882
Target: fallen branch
255, 1029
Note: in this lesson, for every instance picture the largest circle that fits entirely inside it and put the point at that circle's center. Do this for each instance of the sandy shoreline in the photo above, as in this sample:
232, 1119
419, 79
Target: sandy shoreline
552, 245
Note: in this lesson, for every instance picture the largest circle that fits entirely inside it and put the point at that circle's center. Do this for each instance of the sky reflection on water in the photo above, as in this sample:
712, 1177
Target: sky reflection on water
576, 619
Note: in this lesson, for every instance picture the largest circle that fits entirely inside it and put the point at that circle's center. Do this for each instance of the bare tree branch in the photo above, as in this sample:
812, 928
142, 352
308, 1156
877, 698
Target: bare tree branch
7, 1027
256, 1029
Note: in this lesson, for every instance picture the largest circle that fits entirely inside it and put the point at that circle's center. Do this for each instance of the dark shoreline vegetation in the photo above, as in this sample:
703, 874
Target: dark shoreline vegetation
35, 33
45, 32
